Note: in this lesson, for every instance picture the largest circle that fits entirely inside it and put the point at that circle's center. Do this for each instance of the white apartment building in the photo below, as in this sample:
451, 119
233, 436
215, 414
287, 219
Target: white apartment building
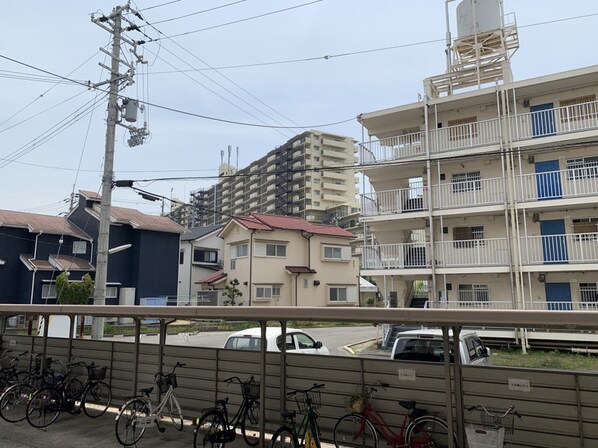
488, 196
306, 177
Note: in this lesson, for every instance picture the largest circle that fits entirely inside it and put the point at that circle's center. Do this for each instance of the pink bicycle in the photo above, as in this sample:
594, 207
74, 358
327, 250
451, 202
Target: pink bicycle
418, 429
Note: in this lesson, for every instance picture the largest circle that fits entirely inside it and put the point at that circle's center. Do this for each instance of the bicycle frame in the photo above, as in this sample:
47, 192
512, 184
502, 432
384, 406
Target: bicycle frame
378, 422
301, 430
236, 420
155, 414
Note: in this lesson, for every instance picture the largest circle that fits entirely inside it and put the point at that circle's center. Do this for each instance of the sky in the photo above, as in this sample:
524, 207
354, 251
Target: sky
214, 69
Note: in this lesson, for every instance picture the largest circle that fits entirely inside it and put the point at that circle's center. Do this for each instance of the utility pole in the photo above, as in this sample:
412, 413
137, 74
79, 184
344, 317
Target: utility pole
112, 24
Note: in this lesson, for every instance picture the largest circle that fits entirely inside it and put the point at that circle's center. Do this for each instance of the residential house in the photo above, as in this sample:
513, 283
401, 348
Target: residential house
200, 255
287, 261
488, 194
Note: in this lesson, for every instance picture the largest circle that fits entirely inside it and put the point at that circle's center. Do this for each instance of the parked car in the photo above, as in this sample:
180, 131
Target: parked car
297, 341
427, 345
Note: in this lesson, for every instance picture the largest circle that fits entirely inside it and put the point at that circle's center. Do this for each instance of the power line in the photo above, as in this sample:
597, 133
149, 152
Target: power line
160, 5
198, 12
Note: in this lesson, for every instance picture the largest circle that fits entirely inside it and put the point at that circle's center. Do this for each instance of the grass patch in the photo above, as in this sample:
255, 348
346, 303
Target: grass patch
544, 359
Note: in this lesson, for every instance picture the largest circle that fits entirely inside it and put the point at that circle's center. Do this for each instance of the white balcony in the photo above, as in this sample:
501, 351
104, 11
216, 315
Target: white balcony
570, 183
332, 175
560, 249
396, 256
472, 305
394, 201
334, 143
468, 193
469, 135
478, 252
338, 155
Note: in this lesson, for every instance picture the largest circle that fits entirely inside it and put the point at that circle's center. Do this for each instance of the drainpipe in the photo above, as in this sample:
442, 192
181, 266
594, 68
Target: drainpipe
190, 268
250, 265
429, 197
308, 236
34, 268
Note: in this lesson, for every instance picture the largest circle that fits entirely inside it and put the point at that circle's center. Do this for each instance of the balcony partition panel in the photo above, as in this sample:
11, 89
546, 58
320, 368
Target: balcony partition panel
477, 252
467, 194
469, 135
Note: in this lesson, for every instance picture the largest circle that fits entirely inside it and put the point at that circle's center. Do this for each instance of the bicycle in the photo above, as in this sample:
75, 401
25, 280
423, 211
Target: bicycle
94, 397
9, 373
14, 400
214, 427
308, 433
138, 414
495, 428
361, 427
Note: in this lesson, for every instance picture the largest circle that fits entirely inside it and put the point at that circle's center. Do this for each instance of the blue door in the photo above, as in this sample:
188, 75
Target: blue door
558, 296
554, 242
542, 120
548, 180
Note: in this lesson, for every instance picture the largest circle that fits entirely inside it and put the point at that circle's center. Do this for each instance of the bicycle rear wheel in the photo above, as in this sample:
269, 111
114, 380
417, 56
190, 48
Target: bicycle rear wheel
356, 431
426, 431
44, 407
250, 423
174, 412
127, 432
96, 399
14, 401
210, 431
283, 438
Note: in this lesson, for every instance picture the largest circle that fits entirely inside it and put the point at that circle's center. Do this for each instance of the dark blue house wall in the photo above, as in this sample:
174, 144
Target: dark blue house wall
158, 264
13, 283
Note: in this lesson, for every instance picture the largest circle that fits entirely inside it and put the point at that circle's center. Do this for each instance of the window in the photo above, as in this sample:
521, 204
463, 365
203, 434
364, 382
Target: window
79, 247
238, 251
463, 182
582, 168
579, 108
586, 229
316, 159
205, 256
475, 348
334, 253
316, 148
267, 292
49, 291
469, 237
270, 250
474, 293
316, 181
233, 265
111, 292
338, 294
588, 293
317, 192
463, 128
181, 256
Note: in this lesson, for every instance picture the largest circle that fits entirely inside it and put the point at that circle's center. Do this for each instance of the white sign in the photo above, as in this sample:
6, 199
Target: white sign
13, 342
519, 385
406, 374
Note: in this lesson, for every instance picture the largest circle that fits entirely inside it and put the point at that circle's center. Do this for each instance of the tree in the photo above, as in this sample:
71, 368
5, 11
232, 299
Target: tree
74, 293
232, 292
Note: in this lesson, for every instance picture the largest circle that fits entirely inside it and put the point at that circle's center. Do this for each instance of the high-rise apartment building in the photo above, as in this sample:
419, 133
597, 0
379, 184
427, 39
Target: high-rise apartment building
311, 176
486, 190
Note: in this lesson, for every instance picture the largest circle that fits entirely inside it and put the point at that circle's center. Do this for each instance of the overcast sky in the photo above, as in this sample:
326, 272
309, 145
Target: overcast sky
52, 139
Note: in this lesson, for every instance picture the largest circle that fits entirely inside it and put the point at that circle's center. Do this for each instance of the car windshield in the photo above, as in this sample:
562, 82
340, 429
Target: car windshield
416, 349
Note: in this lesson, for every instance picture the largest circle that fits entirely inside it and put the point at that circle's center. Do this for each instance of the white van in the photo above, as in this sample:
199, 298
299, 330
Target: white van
427, 345
297, 341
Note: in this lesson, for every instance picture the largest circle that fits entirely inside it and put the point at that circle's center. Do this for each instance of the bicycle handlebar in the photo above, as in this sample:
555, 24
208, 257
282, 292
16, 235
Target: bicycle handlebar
481, 408
178, 364
295, 392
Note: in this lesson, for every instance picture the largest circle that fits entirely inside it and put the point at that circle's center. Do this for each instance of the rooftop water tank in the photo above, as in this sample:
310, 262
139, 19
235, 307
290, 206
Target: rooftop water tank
487, 17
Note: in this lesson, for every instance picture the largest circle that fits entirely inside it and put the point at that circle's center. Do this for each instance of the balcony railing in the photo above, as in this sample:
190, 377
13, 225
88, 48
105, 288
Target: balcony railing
508, 305
478, 252
573, 182
560, 120
394, 201
395, 256
472, 304
560, 249
468, 193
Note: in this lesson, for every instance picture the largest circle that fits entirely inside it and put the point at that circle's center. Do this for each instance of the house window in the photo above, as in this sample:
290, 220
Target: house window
316, 148
463, 182
333, 253
79, 247
582, 107
473, 236
588, 293
463, 128
49, 291
205, 256
181, 256
111, 292
474, 293
582, 168
585, 229
267, 292
337, 294
270, 250
233, 265
317, 192
238, 251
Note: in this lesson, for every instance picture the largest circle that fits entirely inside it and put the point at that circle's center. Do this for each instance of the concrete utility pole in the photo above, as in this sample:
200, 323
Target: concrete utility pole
112, 24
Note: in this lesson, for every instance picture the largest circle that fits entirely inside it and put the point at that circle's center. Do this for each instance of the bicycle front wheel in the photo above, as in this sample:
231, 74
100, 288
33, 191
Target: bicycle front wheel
174, 412
127, 432
44, 407
283, 438
210, 431
428, 431
96, 399
250, 423
14, 401
354, 430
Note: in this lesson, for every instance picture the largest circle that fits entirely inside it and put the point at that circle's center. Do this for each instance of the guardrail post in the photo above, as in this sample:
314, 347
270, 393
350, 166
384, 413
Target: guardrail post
263, 349
2, 326
73, 321
448, 385
46, 319
161, 344
458, 387
136, 354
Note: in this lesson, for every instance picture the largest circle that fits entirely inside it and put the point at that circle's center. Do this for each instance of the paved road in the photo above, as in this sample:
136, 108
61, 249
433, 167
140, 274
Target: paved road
335, 338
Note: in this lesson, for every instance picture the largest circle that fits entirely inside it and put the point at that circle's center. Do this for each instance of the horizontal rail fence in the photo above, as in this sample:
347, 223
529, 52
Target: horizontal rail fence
560, 249
468, 135
559, 407
478, 252
391, 202
569, 183
468, 193
392, 256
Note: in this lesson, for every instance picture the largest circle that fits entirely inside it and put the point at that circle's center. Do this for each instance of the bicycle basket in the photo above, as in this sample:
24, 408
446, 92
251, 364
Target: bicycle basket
304, 399
96, 373
251, 391
496, 421
165, 381
484, 438
356, 403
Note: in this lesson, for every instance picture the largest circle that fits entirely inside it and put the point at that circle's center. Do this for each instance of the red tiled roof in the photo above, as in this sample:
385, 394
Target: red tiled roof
300, 270
213, 278
55, 225
257, 221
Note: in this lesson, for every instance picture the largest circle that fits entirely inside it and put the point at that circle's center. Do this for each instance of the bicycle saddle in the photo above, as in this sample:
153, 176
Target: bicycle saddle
147, 390
407, 404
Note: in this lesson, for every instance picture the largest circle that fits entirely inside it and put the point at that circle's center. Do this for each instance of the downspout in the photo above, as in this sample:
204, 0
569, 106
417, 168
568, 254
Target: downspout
34, 267
429, 197
296, 290
190, 269
251, 265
